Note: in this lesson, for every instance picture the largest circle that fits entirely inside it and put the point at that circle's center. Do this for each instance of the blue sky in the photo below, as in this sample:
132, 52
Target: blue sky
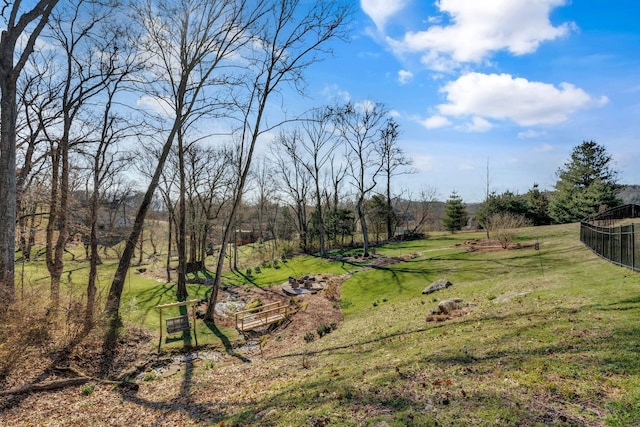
515, 83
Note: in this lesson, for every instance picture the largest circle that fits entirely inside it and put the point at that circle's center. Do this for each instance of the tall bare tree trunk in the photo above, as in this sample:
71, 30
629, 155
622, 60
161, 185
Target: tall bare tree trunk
169, 237
9, 72
93, 256
182, 224
117, 285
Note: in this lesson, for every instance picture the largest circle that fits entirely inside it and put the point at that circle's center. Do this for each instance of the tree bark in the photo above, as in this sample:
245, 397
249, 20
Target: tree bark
9, 72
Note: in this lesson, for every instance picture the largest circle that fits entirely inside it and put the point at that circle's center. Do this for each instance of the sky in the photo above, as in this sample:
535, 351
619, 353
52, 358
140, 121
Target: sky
497, 88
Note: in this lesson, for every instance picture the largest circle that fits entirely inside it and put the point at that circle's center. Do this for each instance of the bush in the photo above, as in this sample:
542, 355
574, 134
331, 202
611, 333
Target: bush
253, 304
504, 225
309, 337
249, 271
323, 330
88, 389
287, 250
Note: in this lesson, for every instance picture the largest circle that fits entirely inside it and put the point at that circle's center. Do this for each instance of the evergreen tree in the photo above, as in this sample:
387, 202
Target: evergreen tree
455, 213
537, 206
586, 184
505, 203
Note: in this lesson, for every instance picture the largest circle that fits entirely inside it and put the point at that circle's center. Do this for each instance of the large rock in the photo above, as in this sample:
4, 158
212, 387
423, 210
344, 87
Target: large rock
436, 286
450, 305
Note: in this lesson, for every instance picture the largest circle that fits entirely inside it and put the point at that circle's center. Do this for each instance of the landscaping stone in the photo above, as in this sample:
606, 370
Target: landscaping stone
436, 286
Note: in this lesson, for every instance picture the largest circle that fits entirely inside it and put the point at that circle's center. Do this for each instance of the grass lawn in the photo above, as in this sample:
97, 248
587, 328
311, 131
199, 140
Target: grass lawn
553, 338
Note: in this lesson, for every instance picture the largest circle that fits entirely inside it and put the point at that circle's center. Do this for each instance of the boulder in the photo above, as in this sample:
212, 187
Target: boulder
436, 286
450, 305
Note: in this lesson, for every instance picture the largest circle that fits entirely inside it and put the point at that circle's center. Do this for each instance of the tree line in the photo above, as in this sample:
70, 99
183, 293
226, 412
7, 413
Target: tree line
587, 183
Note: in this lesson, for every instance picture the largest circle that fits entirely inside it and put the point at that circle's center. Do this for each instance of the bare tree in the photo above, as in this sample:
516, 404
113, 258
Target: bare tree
19, 22
319, 145
336, 176
166, 187
208, 191
294, 178
393, 162
291, 36
89, 43
360, 127
264, 192
37, 100
186, 43
106, 159
37, 111
419, 211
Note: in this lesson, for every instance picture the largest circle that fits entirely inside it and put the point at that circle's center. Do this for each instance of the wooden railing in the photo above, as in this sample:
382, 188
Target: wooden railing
261, 316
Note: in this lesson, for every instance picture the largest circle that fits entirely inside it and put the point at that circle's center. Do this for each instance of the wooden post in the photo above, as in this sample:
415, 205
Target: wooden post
195, 332
191, 303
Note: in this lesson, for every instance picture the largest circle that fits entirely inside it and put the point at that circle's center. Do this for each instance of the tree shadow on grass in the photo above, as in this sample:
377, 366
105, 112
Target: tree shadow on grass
157, 293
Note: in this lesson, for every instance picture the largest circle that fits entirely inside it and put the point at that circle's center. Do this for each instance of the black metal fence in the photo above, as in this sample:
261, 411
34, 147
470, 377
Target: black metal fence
618, 244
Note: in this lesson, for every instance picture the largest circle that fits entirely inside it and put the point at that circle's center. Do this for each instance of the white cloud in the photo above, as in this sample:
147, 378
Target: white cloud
404, 76
381, 10
156, 104
530, 133
544, 148
435, 122
477, 29
478, 124
333, 93
423, 162
503, 97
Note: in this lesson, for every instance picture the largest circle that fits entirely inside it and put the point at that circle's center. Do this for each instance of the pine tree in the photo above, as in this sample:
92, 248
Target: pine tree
455, 213
586, 184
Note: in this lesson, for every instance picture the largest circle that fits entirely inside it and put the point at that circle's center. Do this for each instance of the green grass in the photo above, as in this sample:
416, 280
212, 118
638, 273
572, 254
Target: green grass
552, 338
557, 345
141, 294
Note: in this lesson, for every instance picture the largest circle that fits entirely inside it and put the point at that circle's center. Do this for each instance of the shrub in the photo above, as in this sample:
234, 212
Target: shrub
249, 271
287, 250
253, 304
150, 376
309, 337
323, 330
88, 389
504, 225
